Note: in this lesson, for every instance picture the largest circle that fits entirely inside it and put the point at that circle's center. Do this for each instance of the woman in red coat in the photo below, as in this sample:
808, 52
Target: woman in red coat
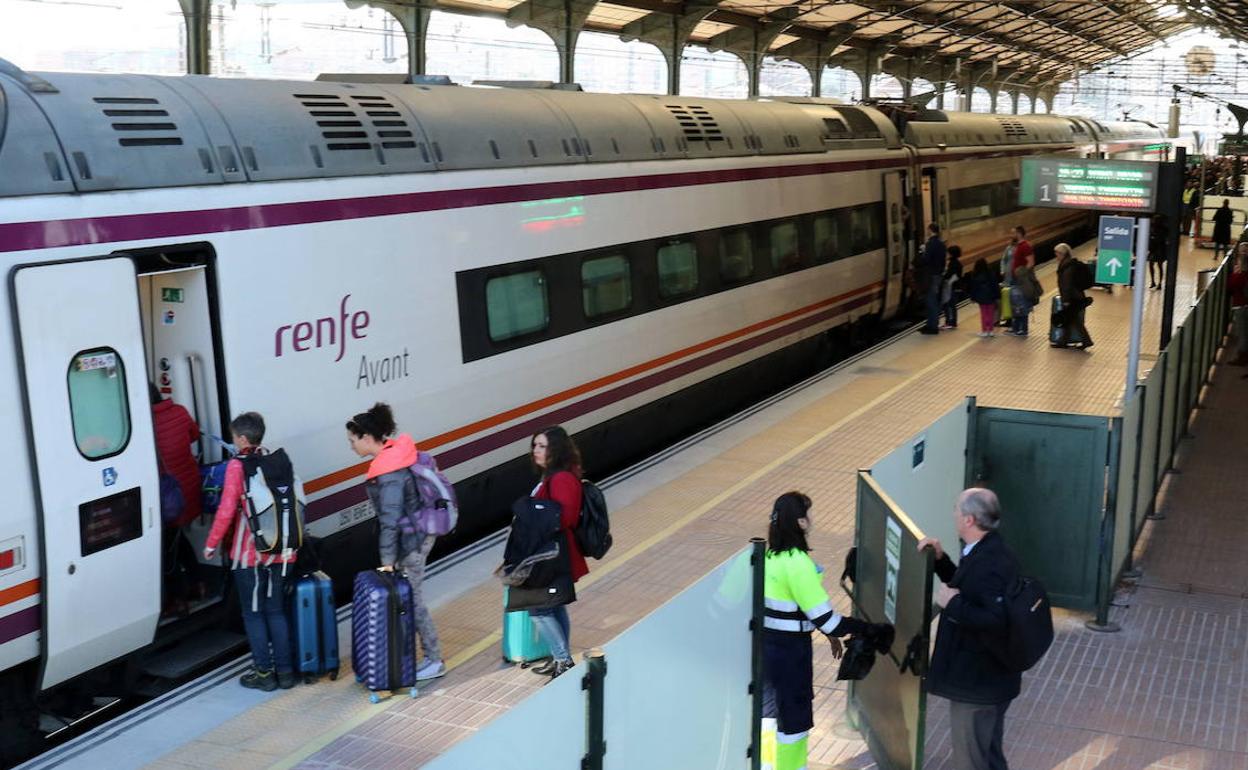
556, 457
175, 432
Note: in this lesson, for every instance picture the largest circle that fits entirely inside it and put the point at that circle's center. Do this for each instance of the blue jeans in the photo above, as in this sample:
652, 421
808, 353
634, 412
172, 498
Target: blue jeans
555, 629
268, 632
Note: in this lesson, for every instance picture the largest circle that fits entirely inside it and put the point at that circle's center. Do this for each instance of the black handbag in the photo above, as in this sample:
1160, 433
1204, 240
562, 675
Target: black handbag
562, 591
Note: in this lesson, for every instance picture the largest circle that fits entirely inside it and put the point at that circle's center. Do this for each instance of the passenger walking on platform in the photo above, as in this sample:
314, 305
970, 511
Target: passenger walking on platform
1237, 287
1222, 229
392, 491
949, 287
978, 686
984, 291
1072, 278
933, 262
1157, 252
795, 604
259, 579
558, 460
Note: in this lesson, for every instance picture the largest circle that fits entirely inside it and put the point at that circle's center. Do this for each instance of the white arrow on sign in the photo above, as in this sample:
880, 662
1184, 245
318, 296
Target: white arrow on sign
1114, 263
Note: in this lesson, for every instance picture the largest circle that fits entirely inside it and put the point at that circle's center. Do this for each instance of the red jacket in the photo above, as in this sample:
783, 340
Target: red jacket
565, 488
1023, 255
230, 512
175, 430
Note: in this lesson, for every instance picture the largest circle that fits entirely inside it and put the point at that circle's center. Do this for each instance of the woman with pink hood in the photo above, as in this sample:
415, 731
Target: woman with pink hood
392, 491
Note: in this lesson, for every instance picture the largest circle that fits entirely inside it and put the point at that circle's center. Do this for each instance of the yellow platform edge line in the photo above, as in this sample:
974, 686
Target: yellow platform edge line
324, 739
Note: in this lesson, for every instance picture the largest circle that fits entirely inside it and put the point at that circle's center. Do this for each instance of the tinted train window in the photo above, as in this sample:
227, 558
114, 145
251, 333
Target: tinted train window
97, 403
825, 228
516, 305
736, 255
606, 285
678, 268
867, 228
782, 242
971, 204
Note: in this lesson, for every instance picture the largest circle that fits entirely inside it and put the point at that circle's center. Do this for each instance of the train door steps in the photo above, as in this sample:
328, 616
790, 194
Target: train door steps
194, 652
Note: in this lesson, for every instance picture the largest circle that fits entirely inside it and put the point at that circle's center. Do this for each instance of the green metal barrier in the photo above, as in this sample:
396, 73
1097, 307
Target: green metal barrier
892, 584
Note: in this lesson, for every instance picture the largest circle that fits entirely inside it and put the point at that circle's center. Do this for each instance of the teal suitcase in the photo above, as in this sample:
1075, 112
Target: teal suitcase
521, 642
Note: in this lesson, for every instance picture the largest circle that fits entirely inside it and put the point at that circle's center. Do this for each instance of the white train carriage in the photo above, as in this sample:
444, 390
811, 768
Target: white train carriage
487, 261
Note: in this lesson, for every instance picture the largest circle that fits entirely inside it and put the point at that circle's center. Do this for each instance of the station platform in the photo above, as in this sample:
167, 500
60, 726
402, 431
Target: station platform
1141, 698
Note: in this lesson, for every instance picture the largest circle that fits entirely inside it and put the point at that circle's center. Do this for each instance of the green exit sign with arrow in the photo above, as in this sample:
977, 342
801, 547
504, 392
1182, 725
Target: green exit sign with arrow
1113, 250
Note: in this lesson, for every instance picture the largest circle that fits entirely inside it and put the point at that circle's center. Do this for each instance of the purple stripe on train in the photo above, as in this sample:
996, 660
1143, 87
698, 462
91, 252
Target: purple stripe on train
19, 623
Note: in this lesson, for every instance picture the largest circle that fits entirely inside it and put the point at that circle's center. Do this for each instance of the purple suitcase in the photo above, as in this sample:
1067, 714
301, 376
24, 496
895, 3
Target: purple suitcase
383, 633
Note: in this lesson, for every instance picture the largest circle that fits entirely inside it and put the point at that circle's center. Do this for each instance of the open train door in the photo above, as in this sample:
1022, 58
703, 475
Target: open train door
89, 422
895, 249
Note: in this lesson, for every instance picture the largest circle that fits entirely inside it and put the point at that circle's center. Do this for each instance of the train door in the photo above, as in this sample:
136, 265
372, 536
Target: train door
895, 250
175, 305
82, 364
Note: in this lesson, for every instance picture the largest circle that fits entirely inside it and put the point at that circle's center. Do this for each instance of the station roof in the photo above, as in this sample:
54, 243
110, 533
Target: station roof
1031, 41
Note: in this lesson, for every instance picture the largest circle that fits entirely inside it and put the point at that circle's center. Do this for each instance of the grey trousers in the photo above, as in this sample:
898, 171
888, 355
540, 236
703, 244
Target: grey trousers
976, 732
414, 566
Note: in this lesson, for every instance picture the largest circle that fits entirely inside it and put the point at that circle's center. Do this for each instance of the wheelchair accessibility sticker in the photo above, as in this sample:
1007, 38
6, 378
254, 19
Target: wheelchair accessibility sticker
110, 476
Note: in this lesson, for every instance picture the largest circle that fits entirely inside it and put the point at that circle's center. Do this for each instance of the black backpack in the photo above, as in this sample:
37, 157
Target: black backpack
593, 531
1084, 277
1030, 630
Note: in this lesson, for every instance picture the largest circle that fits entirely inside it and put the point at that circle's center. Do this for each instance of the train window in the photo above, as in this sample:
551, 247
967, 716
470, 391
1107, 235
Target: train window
606, 285
825, 231
785, 251
736, 255
971, 204
867, 228
98, 406
678, 269
516, 305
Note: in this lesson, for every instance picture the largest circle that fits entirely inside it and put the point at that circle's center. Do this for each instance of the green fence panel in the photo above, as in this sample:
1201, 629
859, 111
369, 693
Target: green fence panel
893, 584
1128, 472
1183, 396
1169, 406
1049, 472
1150, 437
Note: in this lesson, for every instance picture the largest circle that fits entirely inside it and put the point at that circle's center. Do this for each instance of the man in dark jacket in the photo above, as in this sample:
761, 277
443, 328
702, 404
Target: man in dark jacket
933, 263
1071, 279
963, 669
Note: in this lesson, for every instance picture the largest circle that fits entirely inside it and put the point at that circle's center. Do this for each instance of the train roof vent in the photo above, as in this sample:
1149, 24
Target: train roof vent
1012, 128
862, 126
696, 122
139, 121
350, 123
835, 128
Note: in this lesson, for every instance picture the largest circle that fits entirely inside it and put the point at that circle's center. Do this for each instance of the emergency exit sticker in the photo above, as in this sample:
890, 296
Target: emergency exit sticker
171, 294
892, 565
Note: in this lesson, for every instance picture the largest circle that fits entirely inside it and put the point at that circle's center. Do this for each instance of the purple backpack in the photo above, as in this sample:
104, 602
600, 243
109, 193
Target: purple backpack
436, 511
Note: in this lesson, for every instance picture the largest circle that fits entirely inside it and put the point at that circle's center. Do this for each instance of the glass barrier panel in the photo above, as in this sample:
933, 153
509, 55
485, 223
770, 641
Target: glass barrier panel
1128, 457
1150, 435
1169, 406
677, 684
523, 737
893, 584
1185, 383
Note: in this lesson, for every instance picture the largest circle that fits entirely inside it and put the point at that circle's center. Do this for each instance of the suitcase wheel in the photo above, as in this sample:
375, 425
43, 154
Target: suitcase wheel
413, 692
359, 677
374, 697
309, 678
333, 675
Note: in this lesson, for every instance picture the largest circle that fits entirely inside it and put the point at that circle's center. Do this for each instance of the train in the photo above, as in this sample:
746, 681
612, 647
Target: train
489, 261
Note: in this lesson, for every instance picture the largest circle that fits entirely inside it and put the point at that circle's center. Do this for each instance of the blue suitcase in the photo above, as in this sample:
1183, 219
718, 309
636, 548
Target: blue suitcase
521, 642
314, 625
383, 633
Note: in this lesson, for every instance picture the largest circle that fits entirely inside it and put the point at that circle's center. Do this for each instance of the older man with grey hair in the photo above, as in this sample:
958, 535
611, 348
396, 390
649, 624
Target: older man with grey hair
963, 670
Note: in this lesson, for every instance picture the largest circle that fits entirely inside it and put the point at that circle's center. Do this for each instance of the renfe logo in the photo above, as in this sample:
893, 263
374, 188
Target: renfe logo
311, 335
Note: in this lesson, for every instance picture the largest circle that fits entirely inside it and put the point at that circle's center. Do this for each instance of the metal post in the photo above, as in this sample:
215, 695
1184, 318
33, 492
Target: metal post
593, 683
1142, 226
1105, 587
758, 561
1170, 203
1128, 567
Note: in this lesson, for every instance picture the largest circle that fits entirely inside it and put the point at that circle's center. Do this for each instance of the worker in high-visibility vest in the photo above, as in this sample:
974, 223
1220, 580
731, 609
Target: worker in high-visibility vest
795, 604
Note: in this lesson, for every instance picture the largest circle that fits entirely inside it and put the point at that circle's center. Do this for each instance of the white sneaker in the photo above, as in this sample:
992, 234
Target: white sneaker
430, 669
983, 334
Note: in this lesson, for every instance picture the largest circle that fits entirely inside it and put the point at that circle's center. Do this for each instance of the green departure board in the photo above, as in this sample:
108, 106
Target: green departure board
1086, 183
